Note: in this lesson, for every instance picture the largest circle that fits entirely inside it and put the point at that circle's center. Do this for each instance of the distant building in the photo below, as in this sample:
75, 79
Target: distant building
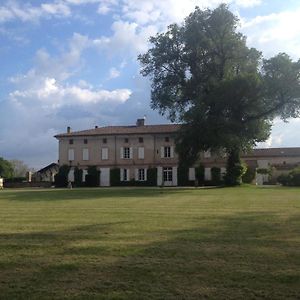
46, 174
134, 149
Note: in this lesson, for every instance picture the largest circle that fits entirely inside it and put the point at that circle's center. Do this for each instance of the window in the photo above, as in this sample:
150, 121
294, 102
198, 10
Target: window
85, 141
71, 154
126, 152
71, 142
126, 140
167, 151
141, 153
141, 175
168, 174
104, 153
85, 154
124, 174
104, 141
141, 140
167, 139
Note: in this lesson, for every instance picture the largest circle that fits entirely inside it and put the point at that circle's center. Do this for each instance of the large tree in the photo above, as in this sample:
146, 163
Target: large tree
223, 92
6, 168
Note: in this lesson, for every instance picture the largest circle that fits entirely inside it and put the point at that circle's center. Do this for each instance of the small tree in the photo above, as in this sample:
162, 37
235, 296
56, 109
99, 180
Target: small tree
199, 174
61, 178
216, 176
92, 177
78, 176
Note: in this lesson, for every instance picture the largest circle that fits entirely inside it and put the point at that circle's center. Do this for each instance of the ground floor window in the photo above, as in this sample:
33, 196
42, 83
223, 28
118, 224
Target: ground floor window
167, 174
125, 175
141, 175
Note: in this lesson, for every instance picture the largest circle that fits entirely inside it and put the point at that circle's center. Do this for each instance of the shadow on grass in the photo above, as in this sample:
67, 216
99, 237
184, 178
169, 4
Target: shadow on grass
94, 193
245, 256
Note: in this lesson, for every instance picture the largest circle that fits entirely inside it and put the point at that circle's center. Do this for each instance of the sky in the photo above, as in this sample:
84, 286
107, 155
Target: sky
74, 63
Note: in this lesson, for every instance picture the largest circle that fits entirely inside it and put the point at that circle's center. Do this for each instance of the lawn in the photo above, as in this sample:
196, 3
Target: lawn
126, 243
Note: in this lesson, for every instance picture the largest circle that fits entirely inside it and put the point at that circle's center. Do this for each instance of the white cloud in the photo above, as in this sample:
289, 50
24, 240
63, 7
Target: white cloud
114, 73
276, 32
27, 13
247, 3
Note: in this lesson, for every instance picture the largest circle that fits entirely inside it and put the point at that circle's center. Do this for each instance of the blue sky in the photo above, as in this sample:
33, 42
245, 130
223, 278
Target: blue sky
73, 63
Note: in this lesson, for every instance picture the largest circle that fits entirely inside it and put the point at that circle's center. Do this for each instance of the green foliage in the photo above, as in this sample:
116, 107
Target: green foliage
216, 176
115, 177
78, 176
92, 178
265, 171
222, 92
152, 176
249, 175
290, 179
61, 178
19, 168
183, 176
199, 174
6, 168
235, 169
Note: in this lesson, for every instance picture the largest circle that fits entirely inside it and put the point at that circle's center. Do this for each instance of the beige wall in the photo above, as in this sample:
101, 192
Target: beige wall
152, 150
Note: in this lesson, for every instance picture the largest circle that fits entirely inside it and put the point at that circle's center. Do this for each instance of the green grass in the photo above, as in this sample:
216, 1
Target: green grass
230, 243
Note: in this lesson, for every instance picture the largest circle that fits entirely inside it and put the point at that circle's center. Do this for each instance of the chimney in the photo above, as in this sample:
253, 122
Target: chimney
140, 122
96, 127
68, 129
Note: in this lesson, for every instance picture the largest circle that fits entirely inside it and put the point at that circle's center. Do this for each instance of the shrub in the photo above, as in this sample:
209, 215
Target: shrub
61, 178
290, 179
92, 178
216, 176
199, 174
249, 175
78, 176
183, 176
152, 176
115, 177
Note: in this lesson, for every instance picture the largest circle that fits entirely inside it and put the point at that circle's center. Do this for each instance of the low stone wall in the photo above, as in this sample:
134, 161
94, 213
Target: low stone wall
27, 184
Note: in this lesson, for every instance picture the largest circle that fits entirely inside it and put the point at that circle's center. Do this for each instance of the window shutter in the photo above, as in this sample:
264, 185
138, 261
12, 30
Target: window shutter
172, 151
192, 174
85, 154
121, 152
121, 175
71, 154
104, 154
130, 152
136, 177
128, 174
159, 175
207, 173
162, 152
141, 153
174, 175
145, 170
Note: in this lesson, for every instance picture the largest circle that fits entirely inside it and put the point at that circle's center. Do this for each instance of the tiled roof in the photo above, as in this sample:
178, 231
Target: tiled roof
123, 130
273, 152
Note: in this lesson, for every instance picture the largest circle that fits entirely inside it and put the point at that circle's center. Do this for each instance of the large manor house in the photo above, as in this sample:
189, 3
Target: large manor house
135, 149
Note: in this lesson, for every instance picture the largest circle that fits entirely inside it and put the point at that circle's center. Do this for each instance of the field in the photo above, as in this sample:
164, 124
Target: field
226, 243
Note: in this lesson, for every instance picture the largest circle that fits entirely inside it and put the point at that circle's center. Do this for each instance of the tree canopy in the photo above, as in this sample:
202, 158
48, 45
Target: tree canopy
6, 168
224, 93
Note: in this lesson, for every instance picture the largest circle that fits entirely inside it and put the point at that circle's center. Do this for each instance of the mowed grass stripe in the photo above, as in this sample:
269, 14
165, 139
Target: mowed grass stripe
150, 243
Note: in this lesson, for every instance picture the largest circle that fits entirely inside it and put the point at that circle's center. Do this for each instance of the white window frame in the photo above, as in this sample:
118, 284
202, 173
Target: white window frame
126, 152
142, 175
207, 154
124, 175
167, 174
104, 154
